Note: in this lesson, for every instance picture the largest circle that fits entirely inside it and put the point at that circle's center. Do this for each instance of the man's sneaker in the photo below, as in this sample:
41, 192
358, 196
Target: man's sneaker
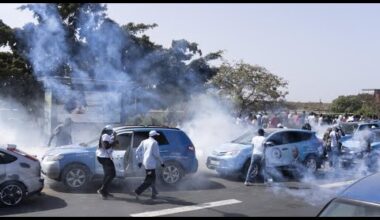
154, 196
136, 195
101, 194
249, 184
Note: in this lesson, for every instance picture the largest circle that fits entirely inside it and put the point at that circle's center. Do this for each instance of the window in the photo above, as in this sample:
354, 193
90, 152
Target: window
6, 158
142, 135
139, 136
277, 138
125, 141
346, 208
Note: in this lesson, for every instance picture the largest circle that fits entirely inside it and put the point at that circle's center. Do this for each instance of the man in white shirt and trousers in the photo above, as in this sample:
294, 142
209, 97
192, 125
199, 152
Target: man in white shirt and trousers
104, 156
256, 167
148, 154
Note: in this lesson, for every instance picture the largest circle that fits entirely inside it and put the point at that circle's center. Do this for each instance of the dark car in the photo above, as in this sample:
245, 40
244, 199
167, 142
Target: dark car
361, 198
75, 165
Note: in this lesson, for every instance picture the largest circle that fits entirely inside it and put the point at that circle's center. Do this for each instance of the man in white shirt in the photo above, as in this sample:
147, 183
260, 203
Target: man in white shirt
104, 157
148, 154
255, 167
333, 153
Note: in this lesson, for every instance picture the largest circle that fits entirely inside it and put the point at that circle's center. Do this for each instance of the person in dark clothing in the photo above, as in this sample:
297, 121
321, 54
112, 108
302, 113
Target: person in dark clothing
62, 133
104, 156
306, 126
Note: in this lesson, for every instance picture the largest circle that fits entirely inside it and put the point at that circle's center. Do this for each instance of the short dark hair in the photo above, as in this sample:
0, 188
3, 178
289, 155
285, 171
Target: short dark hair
260, 132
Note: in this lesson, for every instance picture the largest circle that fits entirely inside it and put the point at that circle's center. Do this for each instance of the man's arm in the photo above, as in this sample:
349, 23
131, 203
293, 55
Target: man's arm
55, 132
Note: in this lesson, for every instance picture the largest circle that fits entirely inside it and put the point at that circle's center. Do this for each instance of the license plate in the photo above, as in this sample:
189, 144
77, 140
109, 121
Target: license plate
214, 162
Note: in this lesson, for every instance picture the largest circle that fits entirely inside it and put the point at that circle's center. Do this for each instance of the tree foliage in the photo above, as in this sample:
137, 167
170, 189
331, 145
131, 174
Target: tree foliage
249, 87
362, 104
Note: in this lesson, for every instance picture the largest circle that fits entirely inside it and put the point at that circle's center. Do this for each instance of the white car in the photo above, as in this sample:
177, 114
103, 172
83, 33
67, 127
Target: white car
20, 175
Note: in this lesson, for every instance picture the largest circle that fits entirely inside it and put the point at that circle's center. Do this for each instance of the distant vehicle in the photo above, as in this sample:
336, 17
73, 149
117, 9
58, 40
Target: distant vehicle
350, 128
20, 175
353, 150
284, 150
361, 198
76, 165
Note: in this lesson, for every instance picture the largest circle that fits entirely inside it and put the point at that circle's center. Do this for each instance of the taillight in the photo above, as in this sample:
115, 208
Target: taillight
19, 152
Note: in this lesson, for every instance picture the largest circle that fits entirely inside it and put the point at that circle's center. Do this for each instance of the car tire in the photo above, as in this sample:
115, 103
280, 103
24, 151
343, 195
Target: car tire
75, 177
172, 173
311, 164
12, 193
244, 172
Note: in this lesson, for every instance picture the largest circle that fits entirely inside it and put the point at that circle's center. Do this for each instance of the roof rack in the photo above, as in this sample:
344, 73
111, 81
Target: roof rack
143, 126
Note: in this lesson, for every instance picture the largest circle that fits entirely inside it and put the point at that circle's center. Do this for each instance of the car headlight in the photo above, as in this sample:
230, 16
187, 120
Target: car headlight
54, 157
232, 153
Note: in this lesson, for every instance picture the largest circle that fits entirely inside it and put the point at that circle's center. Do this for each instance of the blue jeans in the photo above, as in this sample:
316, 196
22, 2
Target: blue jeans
255, 166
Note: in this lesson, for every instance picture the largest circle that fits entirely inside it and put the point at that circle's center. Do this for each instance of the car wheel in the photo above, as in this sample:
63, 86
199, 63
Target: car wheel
255, 171
12, 193
172, 173
311, 164
75, 176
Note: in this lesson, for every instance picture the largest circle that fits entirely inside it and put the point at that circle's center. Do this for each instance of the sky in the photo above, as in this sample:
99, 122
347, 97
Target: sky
321, 50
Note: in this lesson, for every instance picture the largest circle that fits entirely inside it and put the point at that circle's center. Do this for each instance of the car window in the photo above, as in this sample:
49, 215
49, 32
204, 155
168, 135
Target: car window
345, 209
349, 128
368, 126
125, 141
246, 138
277, 138
142, 135
6, 158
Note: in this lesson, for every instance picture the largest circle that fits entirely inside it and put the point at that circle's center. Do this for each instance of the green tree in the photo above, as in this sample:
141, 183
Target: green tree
249, 87
361, 104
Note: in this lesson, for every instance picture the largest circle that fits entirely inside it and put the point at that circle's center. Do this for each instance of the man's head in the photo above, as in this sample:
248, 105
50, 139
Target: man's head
260, 132
153, 133
108, 129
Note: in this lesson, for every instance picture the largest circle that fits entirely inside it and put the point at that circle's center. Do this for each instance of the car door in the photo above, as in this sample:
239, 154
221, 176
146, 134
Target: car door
280, 152
2, 166
121, 153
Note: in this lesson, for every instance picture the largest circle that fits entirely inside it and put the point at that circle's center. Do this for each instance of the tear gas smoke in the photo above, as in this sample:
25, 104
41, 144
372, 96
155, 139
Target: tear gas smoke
210, 126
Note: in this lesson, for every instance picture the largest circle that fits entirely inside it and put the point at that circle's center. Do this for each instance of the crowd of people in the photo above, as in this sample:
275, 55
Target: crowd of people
294, 119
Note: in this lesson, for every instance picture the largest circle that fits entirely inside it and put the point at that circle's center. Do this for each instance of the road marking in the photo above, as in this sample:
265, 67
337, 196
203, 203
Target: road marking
337, 184
186, 208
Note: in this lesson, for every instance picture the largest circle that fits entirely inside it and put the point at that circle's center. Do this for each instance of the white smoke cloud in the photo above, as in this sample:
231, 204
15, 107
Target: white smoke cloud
211, 125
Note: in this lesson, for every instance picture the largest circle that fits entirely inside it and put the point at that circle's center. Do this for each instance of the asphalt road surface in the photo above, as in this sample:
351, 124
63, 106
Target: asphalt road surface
201, 194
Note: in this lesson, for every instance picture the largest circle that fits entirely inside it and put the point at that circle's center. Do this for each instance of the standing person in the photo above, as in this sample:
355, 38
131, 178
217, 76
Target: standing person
326, 142
62, 133
257, 156
104, 156
148, 154
334, 152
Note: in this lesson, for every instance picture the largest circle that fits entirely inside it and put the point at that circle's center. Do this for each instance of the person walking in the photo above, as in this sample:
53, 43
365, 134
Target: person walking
256, 167
62, 133
148, 154
104, 156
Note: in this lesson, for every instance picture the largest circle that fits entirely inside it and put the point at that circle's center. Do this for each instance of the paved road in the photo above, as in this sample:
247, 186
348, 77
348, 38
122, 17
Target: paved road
202, 194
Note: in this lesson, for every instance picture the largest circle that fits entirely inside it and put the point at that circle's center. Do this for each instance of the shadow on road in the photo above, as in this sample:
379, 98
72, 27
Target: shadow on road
192, 182
35, 203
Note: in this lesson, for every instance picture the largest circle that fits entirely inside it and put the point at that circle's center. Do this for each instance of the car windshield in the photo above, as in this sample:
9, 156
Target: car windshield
349, 128
246, 138
348, 208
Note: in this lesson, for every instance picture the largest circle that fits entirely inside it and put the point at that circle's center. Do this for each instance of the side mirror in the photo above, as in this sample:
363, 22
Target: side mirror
269, 144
